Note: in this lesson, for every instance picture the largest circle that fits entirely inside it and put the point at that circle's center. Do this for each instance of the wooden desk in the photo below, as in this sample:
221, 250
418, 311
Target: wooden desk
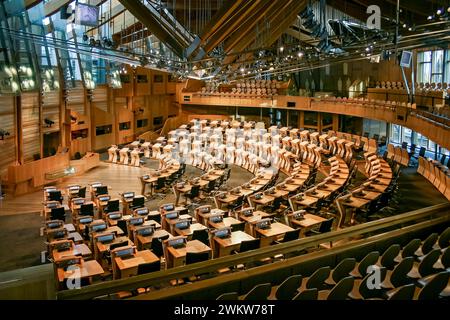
306, 224
144, 242
376, 187
177, 257
230, 198
75, 237
47, 211
170, 223
132, 228
382, 181
368, 195
224, 247
306, 201
205, 216
227, 221
291, 187
189, 231
87, 269
265, 200
355, 202
77, 250
320, 194
129, 267
69, 227
276, 231
295, 181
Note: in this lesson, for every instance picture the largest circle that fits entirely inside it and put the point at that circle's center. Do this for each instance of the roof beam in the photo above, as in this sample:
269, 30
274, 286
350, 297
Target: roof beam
144, 15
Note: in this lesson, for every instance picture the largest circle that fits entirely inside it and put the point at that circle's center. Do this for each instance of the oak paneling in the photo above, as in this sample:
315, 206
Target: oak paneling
30, 126
76, 99
7, 123
50, 109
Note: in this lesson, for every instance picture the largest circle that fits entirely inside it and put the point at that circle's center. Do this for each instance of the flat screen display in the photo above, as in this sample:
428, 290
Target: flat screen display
136, 221
106, 238
405, 60
99, 227
86, 15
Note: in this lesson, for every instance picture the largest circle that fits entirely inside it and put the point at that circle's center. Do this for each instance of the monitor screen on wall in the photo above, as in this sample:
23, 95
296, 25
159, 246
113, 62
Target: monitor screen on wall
86, 15
405, 60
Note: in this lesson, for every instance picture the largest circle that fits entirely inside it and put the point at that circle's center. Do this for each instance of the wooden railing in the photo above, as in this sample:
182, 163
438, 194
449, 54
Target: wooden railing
439, 213
171, 124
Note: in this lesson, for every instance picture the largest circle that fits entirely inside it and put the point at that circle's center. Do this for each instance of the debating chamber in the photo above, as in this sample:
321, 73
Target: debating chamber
225, 150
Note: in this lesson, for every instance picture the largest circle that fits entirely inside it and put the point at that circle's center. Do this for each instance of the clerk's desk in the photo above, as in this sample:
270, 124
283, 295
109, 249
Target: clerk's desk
224, 246
124, 267
177, 257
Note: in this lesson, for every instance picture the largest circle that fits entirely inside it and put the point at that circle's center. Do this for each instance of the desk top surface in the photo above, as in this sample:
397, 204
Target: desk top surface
87, 269
189, 231
140, 257
309, 220
236, 238
194, 246
227, 221
275, 229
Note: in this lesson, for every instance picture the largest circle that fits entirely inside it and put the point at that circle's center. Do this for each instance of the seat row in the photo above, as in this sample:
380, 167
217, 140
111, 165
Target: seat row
436, 173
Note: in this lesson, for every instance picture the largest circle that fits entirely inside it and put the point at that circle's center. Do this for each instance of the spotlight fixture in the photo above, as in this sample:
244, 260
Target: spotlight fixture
85, 37
48, 122
439, 12
3, 133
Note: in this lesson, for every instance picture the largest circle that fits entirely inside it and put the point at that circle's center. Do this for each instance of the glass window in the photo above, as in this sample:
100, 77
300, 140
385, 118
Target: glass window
395, 133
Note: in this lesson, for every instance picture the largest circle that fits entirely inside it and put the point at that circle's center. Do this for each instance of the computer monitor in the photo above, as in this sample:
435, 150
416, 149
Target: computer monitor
247, 212
124, 252
114, 215
135, 221
216, 218
104, 198
99, 227
53, 224
405, 60
52, 204
298, 215
145, 231
106, 238
168, 207
141, 212
263, 223
78, 201
171, 215
85, 220
205, 209
222, 233
177, 242
63, 245
129, 194
86, 15
57, 233
182, 224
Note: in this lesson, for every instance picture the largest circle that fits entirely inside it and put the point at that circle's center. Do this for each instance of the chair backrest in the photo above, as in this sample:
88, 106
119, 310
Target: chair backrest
87, 209
370, 259
195, 191
444, 239
113, 205
411, 248
156, 245
122, 224
445, 258
58, 214
308, 294
144, 268
201, 235
259, 292
118, 245
369, 291
405, 292
422, 152
399, 275
343, 269
194, 257
288, 288
433, 288
238, 226
341, 290
160, 183
82, 192
326, 225
426, 265
248, 245
228, 296
101, 190
428, 243
291, 235
55, 195
317, 279
138, 201
387, 259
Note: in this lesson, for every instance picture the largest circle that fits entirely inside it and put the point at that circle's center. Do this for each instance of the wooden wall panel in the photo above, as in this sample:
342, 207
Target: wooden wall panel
7, 123
76, 99
140, 103
30, 126
100, 98
50, 109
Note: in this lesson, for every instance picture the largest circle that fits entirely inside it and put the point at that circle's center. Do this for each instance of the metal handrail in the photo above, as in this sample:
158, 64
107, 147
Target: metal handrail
213, 265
